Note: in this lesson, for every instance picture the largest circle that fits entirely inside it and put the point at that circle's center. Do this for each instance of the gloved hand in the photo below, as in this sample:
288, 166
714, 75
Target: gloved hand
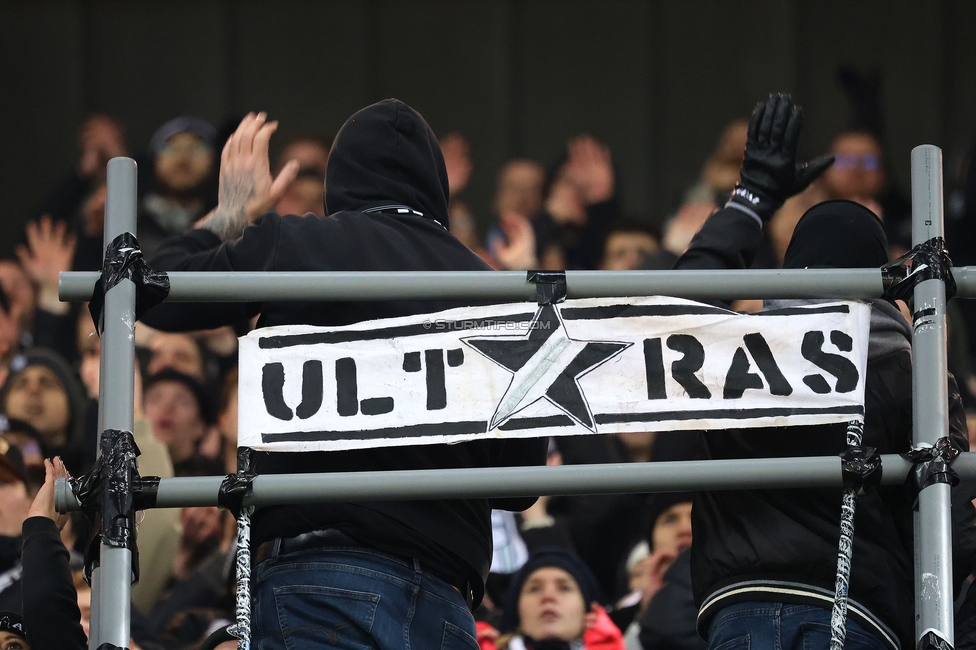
770, 173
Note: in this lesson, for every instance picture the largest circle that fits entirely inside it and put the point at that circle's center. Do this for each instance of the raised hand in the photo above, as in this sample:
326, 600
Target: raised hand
590, 168
50, 249
43, 504
457, 159
101, 139
770, 173
518, 252
247, 190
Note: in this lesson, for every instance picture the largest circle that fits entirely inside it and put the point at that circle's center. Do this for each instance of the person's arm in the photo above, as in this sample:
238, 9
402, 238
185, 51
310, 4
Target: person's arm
52, 619
770, 174
222, 240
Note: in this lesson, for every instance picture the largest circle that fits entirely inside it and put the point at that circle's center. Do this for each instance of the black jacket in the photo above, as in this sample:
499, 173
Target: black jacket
781, 545
387, 189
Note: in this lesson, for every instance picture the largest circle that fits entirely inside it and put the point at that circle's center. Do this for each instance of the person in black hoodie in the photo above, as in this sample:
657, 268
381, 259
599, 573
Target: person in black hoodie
379, 573
764, 561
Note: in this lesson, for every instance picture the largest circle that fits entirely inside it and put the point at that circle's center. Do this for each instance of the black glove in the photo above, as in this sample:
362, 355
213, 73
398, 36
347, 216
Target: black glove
770, 173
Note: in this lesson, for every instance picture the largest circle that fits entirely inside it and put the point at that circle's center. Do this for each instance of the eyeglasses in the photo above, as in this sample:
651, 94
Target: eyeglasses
868, 161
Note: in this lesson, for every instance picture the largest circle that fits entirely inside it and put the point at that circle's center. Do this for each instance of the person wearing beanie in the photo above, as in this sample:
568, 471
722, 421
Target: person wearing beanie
763, 562
552, 604
182, 152
44, 392
12, 635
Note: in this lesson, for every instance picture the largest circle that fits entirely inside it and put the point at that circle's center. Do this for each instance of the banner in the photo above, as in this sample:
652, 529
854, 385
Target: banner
516, 370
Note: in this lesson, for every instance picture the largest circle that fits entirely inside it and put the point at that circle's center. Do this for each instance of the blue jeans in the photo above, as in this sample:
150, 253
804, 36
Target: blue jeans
356, 598
778, 626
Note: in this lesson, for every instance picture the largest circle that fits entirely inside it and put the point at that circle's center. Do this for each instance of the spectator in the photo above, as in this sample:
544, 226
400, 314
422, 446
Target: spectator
180, 410
311, 153
304, 195
177, 351
12, 635
100, 138
43, 391
629, 245
519, 188
720, 172
552, 603
580, 207
182, 186
387, 184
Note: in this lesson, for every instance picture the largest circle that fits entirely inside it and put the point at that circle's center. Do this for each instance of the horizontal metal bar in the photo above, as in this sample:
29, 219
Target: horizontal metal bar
510, 285
744, 474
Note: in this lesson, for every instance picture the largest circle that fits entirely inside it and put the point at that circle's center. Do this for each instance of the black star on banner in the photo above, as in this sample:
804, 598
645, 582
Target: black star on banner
546, 364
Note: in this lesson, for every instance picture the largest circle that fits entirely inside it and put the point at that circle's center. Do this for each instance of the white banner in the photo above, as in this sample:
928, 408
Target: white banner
584, 366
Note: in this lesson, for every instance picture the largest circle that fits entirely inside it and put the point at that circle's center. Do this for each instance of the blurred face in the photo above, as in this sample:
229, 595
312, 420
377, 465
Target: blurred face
672, 530
624, 251
303, 196
520, 188
309, 154
175, 415
551, 606
37, 397
856, 173
178, 352
184, 162
10, 641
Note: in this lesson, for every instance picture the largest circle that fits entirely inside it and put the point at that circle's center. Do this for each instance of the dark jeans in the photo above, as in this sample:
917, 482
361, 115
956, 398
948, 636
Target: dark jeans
778, 626
356, 598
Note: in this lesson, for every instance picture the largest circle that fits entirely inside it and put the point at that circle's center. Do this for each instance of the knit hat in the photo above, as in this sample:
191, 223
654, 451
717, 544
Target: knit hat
66, 376
185, 124
549, 556
657, 505
13, 623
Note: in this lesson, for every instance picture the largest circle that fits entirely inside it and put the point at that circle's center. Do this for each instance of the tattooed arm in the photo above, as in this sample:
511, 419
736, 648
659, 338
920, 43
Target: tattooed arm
247, 189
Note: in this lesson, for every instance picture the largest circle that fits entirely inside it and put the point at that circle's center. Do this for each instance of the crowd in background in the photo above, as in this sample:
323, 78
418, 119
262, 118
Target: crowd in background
561, 214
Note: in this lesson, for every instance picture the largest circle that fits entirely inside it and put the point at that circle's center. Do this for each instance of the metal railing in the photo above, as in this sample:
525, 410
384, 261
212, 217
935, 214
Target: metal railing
111, 580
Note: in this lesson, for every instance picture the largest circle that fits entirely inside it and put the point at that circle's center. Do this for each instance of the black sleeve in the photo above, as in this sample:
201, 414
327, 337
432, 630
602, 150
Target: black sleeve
51, 616
729, 239
202, 250
513, 453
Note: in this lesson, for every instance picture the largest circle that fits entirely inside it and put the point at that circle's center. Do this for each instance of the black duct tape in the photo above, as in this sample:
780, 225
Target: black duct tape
927, 261
144, 492
124, 261
931, 465
861, 467
550, 286
109, 646
107, 496
932, 641
235, 487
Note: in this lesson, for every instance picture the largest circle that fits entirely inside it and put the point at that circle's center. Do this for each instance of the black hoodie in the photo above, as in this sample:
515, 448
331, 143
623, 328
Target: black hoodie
387, 186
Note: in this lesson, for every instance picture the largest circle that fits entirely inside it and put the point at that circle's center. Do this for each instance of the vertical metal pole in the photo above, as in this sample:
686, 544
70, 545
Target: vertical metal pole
111, 587
933, 531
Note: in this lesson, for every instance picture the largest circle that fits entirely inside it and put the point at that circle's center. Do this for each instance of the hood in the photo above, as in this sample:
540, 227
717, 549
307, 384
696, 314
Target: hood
837, 234
386, 158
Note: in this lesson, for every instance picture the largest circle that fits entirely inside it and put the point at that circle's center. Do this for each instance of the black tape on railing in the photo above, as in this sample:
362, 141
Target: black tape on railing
109, 646
927, 261
931, 465
861, 467
550, 286
107, 498
124, 261
235, 487
932, 641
